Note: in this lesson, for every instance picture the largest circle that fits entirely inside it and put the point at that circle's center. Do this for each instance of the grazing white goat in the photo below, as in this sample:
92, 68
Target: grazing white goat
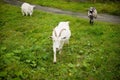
27, 9
92, 13
60, 35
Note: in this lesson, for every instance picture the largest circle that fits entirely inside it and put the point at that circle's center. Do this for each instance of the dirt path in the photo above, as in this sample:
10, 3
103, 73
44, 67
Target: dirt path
101, 17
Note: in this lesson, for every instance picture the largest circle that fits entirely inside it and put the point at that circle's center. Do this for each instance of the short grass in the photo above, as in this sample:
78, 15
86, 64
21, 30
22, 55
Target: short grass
108, 7
26, 50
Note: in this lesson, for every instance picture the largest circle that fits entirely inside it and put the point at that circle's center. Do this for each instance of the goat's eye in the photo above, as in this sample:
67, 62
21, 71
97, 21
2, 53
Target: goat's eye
64, 38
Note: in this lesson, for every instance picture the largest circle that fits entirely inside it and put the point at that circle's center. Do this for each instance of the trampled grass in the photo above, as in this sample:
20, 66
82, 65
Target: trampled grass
26, 50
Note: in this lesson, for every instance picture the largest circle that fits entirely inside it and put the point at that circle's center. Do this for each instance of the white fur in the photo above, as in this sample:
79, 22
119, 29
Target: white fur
59, 40
94, 12
27, 9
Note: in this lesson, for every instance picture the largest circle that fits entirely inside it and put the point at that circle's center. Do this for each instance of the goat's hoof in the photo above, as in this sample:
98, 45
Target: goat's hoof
54, 62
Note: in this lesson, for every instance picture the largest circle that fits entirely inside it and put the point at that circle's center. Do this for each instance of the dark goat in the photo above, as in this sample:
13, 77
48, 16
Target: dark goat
92, 13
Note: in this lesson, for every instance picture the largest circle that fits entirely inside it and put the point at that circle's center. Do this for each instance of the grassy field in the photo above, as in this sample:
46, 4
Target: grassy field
26, 50
108, 7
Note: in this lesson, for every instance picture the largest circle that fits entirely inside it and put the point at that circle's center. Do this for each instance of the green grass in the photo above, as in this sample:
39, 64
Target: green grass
26, 50
108, 7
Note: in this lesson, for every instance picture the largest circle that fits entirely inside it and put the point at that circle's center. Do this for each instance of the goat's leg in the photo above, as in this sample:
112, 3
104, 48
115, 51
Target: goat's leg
91, 21
22, 12
54, 50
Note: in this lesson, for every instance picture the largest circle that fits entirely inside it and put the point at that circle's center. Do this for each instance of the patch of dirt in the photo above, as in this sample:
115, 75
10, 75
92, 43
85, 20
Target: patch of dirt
100, 17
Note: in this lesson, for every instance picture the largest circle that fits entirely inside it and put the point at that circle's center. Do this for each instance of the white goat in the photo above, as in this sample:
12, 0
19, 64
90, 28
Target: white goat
27, 9
92, 13
60, 35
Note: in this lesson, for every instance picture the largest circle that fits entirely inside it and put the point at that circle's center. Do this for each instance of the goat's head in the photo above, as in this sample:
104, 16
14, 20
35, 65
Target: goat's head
58, 39
32, 7
91, 9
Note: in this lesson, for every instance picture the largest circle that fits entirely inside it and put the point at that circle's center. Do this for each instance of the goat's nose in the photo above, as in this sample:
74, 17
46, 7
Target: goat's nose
56, 48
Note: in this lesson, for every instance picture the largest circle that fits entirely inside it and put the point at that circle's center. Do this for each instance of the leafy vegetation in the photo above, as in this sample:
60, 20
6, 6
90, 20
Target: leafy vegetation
106, 7
26, 50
